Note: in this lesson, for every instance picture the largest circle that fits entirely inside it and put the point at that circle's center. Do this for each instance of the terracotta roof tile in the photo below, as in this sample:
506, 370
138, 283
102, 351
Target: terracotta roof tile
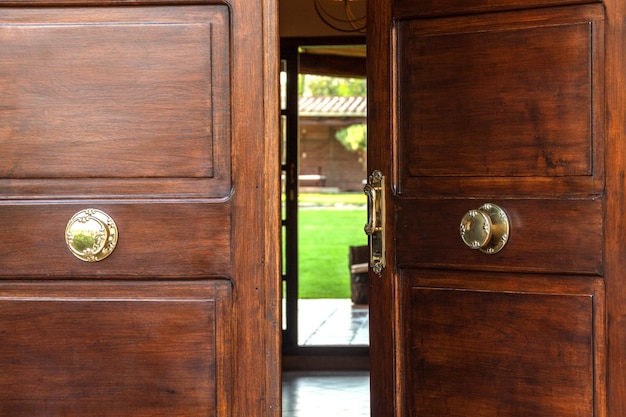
332, 106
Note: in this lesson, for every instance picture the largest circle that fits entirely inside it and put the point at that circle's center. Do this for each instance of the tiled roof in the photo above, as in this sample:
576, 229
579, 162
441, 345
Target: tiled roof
332, 106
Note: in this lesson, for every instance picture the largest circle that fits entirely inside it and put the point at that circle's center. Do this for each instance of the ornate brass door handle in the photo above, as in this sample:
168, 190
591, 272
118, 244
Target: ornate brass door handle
375, 227
485, 228
91, 235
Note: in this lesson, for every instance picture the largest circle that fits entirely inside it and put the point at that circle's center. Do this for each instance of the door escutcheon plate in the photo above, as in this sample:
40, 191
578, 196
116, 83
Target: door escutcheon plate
375, 227
485, 228
91, 235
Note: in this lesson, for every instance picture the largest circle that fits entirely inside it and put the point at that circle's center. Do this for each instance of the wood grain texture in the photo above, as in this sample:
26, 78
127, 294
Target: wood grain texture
150, 102
104, 348
414, 8
474, 350
546, 235
74, 98
506, 115
173, 240
383, 289
255, 131
272, 217
472, 108
616, 206
163, 114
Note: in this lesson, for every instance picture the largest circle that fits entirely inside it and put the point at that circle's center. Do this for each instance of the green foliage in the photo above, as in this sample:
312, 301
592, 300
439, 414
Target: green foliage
80, 242
332, 199
316, 85
353, 137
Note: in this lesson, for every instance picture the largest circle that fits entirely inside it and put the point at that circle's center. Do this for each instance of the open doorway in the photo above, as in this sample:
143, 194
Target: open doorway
324, 207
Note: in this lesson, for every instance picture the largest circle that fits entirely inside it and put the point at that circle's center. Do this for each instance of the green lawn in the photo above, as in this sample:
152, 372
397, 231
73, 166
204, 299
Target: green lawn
327, 199
325, 234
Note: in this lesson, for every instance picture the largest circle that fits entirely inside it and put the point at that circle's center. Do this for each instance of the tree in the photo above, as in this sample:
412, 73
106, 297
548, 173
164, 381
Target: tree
316, 85
354, 138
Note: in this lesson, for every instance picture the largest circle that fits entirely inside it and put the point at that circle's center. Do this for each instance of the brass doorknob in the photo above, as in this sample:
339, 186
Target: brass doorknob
485, 228
91, 235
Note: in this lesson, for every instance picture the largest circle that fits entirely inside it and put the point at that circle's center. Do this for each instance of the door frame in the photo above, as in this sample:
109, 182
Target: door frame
294, 355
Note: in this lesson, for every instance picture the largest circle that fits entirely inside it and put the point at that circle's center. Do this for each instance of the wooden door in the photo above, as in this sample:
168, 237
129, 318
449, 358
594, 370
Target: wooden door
160, 115
517, 104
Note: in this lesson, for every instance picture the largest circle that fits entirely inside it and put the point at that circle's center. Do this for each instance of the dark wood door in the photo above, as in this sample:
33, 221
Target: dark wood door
512, 104
161, 115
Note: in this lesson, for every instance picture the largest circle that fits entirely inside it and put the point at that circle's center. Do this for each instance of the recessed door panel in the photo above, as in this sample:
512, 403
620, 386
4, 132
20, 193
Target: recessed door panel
143, 90
485, 351
159, 239
109, 349
506, 116
409, 8
546, 235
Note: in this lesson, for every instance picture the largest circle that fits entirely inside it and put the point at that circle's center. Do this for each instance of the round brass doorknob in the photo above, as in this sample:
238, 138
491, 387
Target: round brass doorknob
486, 228
91, 235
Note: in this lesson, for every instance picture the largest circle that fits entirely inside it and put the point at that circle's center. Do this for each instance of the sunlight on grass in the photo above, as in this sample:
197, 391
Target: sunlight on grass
325, 233
333, 199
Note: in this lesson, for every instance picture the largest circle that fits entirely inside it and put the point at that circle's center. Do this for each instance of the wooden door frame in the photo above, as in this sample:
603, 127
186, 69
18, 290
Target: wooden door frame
384, 307
257, 378
615, 219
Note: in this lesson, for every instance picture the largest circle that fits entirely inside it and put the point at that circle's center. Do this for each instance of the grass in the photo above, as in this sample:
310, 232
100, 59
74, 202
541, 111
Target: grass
332, 199
325, 233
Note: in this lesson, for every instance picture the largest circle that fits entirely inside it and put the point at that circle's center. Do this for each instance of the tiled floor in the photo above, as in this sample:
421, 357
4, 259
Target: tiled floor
326, 394
332, 322
329, 394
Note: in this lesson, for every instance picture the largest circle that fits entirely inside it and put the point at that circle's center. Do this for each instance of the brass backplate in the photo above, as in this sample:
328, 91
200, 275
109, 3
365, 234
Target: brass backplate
375, 226
91, 235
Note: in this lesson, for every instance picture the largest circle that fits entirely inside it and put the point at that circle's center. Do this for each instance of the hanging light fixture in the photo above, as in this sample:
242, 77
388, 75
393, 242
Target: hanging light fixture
341, 14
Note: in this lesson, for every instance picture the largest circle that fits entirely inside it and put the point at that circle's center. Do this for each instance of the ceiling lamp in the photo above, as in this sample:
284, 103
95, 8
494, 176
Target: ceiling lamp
342, 15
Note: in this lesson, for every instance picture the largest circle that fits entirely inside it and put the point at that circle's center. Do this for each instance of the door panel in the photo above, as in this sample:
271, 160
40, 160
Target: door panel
533, 121
545, 235
487, 350
505, 115
156, 238
152, 100
149, 349
66, 53
411, 8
